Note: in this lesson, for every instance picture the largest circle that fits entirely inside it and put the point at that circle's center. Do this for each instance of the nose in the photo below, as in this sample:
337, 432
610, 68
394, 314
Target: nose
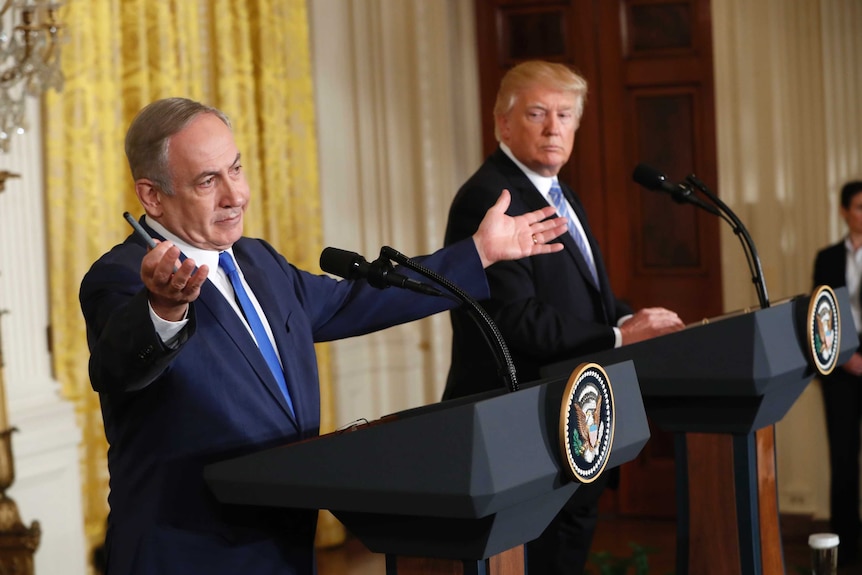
234, 192
552, 124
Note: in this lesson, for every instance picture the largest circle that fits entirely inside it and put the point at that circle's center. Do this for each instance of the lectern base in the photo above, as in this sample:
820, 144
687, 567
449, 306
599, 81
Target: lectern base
509, 562
728, 515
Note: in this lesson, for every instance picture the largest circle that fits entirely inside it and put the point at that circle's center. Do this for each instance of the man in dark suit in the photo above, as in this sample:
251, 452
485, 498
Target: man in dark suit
547, 309
202, 348
840, 265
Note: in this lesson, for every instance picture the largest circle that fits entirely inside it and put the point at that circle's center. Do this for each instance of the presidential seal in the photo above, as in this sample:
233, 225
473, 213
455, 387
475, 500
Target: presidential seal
824, 333
587, 422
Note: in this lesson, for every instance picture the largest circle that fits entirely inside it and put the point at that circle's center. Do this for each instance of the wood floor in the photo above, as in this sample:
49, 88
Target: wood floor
613, 535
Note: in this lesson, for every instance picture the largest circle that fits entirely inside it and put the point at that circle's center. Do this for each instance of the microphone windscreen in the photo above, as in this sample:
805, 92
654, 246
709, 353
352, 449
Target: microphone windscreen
649, 177
340, 262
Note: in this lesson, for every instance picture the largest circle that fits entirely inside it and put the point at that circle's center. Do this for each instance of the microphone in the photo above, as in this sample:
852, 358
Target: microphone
652, 179
379, 273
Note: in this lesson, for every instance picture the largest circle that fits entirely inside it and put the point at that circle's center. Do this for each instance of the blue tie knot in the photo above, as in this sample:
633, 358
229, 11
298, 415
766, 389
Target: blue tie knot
557, 200
226, 262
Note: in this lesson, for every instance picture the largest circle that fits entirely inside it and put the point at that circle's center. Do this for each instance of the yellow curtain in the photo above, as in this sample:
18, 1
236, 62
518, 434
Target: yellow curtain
251, 60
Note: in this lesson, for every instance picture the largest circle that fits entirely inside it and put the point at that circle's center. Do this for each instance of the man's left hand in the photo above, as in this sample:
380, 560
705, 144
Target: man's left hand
503, 237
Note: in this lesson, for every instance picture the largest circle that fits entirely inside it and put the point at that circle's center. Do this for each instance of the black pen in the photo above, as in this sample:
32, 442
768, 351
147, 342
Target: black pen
142, 233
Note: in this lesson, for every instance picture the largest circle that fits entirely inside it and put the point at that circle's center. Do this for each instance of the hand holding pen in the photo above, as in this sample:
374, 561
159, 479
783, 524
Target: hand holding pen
172, 285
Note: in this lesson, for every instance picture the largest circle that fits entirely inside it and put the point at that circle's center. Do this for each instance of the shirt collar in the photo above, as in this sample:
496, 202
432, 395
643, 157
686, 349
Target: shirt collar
200, 256
542, 183
848, 243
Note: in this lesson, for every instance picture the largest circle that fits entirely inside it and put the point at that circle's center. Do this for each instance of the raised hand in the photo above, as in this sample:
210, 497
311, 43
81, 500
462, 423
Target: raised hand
504, 237
172, 285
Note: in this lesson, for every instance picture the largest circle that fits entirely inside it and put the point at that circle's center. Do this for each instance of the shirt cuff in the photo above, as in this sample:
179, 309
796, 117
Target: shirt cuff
618, 335
168, 331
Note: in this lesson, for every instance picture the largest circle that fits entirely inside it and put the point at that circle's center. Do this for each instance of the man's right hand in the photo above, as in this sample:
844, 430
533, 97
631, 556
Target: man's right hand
649, 322
172, 285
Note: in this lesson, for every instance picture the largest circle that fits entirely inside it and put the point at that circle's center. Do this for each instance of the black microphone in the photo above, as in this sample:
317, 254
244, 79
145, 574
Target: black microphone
652, 179
379, 273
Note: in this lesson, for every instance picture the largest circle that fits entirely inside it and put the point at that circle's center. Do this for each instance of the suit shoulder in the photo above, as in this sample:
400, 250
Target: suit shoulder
127, 254
835, 250
258, 250
486, 184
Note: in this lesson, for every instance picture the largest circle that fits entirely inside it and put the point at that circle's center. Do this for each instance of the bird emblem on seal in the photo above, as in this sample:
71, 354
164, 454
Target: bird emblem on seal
588, 425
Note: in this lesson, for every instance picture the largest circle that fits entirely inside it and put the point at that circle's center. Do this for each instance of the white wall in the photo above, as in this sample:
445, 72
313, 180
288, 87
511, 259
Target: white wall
47, 486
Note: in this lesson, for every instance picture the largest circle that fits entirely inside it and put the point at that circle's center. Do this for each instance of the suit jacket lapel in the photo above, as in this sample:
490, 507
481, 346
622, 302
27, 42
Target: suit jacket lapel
212, 298
534, 201
601, 272
256, 279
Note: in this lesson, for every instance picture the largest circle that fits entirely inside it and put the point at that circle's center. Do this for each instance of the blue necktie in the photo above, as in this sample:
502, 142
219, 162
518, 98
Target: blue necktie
559, 203
225, 261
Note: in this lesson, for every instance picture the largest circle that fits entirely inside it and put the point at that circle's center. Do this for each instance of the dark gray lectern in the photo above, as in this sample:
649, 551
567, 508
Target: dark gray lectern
461, 481
722, 385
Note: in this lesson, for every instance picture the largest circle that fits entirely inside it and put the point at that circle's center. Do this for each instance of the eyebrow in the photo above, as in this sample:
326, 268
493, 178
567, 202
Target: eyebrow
207, 173
545, 107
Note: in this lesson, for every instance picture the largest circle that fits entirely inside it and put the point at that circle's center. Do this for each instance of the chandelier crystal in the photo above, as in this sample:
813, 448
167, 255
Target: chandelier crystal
29, 59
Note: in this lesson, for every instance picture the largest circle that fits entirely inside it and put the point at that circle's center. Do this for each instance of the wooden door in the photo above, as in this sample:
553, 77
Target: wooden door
649, 67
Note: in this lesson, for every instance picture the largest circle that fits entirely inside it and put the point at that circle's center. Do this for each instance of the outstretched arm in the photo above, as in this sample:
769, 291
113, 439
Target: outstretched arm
504, 237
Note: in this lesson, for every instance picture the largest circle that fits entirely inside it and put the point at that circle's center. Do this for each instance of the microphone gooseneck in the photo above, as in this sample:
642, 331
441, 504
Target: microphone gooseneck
489, 329
381, 274
653, 179
744, 238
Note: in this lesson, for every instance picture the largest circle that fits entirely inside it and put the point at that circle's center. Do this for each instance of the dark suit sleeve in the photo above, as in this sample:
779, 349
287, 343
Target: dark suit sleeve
338, 309
829, 267
819, 270
126, 353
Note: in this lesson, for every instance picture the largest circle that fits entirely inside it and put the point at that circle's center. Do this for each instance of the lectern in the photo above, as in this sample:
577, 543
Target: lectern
455, 487
721, 386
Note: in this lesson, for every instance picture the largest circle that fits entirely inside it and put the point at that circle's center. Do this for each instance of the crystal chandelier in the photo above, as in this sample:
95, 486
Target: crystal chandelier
29, 59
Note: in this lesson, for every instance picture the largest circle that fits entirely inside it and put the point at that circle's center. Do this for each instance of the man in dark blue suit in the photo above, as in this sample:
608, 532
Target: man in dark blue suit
548, 309
202, 348
840, 265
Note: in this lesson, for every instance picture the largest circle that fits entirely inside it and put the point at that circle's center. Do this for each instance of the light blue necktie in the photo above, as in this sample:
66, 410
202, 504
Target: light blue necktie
559, 203
225, 261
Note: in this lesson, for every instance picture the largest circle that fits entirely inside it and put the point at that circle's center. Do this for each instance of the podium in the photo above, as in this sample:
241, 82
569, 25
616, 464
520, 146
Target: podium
720, 386
454, 487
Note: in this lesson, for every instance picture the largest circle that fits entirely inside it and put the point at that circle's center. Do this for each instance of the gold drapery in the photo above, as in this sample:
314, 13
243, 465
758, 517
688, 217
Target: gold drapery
250, 59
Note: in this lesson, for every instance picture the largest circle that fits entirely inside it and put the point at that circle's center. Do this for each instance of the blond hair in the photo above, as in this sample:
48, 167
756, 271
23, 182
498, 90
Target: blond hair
546, 74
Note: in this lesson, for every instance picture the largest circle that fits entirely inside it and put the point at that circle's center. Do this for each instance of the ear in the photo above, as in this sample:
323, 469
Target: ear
502, 122
148, 195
